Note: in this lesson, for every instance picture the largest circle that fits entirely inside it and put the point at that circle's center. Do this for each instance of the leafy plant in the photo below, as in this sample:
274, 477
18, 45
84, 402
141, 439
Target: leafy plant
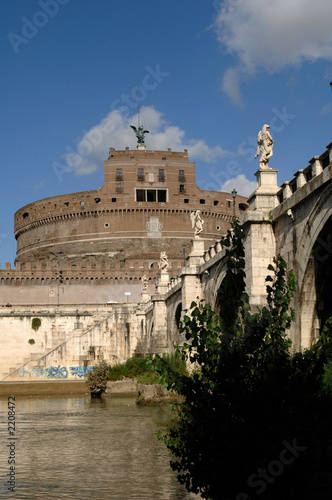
35, 323
140, 368
97, 379
248, 393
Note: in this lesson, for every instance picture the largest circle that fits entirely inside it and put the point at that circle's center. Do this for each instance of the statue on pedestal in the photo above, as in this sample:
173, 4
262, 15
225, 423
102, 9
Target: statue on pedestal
264, 147
145, 283
163, 263
197, 222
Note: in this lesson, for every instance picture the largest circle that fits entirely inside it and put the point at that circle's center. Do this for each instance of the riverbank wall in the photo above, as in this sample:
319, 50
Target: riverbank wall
64, 343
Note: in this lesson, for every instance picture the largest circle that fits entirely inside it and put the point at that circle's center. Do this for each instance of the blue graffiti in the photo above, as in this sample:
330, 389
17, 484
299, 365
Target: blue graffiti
57, 372
38, 372
80, 371
23, 372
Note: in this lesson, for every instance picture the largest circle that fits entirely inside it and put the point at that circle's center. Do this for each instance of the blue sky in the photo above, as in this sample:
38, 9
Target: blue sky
211, 74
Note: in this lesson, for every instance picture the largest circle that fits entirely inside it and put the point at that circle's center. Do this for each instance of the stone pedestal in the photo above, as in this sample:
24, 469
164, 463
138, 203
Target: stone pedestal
196, 256
163, 283
145, 297
265, 196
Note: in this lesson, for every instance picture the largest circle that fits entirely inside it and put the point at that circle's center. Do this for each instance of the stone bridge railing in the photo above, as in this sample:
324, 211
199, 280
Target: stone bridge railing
316, 166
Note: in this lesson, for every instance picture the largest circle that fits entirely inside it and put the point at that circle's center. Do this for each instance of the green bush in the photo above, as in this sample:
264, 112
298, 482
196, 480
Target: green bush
251, 395
97, 379
140, 368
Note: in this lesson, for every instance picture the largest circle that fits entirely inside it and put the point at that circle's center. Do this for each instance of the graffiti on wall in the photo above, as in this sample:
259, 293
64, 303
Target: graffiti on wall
55, 372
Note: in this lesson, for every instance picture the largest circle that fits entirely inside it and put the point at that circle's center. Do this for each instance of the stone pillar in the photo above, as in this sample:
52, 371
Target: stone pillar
191, 286
260, 246
300, 179
286, 190
159, 336
316, 166
191, 281
260, 249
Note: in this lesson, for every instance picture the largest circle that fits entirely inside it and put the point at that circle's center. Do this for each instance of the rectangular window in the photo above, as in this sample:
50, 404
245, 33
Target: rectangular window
229, 204
182, 189
119, 187
181, 176
140, 195
140, 174
162, 195
119, 173
161, 176
151, 195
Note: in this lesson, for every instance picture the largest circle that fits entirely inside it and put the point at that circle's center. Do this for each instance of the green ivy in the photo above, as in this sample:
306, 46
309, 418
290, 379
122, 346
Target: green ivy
35, 323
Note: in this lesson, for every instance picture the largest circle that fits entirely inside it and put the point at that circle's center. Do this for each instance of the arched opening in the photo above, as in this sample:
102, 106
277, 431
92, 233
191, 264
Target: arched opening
316, 299
322, 253
177, 316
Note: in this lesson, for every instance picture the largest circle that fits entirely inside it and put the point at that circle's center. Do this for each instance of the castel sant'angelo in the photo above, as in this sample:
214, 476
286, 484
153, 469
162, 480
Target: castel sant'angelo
108, 273
85, 242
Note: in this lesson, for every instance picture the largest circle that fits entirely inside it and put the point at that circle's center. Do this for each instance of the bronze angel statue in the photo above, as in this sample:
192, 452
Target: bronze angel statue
139, 133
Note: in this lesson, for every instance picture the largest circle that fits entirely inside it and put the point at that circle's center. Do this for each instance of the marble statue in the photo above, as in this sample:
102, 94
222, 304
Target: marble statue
163, 263
145, 282
197, 222
264, 147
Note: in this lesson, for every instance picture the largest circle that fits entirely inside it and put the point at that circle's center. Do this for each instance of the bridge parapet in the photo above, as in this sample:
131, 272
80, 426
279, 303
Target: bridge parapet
317, 165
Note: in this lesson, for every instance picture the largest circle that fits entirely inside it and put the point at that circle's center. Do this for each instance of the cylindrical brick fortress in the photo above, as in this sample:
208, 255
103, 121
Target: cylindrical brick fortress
143, 208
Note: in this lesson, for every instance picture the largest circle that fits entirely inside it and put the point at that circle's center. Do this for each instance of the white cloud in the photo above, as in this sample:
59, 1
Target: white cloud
114, 131
230, 85
326, 109
243, 186
271, 34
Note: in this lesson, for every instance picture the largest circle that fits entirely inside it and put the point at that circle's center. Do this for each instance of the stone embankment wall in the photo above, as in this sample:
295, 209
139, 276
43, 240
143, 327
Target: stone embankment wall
52, 344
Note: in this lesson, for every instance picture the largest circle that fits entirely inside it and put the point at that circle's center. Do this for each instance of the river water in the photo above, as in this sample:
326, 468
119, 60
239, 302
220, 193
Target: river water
77, 448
